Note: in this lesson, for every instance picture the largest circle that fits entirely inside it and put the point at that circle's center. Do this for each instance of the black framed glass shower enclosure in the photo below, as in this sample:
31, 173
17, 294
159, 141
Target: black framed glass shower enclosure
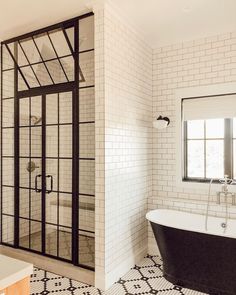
47, 172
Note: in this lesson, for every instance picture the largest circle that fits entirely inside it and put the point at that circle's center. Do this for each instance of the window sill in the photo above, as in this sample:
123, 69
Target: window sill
203, 185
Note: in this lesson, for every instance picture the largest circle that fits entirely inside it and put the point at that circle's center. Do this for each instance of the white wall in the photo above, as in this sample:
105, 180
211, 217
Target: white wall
208, 61
125, 61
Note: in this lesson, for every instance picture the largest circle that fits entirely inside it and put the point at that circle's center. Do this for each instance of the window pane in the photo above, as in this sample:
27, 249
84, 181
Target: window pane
214, 158
195, 160
215, 128
195, 129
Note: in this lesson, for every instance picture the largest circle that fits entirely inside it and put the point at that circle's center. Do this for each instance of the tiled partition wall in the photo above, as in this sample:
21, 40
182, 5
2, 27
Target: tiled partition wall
199, 62
126, 95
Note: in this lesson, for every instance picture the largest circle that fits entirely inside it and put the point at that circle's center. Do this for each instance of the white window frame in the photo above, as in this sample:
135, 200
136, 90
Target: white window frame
199, 91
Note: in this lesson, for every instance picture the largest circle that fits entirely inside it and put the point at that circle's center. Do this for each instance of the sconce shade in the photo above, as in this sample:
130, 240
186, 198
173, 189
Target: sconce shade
161, 122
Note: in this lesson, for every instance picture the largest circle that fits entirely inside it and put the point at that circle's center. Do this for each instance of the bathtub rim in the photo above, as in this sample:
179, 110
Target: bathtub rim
150, 216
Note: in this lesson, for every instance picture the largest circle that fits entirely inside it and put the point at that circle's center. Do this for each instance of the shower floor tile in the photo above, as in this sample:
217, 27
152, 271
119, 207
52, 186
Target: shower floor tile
86, 245
144, 278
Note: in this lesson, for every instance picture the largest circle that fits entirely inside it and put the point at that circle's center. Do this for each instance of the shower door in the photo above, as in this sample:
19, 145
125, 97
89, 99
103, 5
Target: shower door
48, 141
45, 174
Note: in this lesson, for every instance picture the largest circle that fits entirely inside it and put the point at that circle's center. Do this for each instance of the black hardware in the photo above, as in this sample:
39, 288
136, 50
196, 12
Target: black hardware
51, 182
164, 119
36, 183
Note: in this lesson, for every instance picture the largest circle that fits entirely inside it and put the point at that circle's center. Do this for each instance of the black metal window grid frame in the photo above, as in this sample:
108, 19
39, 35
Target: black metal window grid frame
43, 91
227, 140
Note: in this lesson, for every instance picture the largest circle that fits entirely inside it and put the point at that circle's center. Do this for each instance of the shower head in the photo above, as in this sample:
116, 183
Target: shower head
35, 120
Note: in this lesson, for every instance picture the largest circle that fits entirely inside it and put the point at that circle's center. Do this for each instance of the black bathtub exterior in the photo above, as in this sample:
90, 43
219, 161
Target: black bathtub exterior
203, 262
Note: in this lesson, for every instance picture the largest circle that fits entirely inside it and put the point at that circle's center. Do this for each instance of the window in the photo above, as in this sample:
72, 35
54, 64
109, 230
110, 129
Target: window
209, 138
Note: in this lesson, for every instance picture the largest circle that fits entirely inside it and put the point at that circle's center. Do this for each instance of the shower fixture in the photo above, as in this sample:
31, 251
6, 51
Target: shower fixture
31, 166
35, 119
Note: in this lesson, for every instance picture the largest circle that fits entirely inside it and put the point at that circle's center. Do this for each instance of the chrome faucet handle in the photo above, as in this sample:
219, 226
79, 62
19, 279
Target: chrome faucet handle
225, 182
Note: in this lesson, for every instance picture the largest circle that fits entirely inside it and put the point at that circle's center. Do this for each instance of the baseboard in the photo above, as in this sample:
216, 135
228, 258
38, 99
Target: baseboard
124, 267
52, 265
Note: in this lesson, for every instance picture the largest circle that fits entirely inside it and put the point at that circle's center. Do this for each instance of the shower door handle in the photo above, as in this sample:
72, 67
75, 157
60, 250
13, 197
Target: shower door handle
36, 183
51, 182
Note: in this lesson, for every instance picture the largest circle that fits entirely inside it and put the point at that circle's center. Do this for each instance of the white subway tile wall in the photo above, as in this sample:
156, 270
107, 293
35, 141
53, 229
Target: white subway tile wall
123, 71
199, 62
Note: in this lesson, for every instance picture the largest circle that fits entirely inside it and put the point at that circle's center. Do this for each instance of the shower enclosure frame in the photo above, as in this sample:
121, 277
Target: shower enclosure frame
42, 91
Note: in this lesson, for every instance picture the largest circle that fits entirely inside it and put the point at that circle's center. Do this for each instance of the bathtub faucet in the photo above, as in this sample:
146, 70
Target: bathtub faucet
226, 181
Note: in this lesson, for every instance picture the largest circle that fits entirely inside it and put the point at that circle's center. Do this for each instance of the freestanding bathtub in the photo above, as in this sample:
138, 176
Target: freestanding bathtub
193, 257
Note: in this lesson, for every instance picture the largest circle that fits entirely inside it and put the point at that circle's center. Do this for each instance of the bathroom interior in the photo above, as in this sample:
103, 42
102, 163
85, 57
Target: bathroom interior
118, 144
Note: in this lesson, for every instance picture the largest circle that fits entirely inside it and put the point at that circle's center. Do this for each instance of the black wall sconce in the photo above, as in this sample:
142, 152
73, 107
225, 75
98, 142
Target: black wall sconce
161, 122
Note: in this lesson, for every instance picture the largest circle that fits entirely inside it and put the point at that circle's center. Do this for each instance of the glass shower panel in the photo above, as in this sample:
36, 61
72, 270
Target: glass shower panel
58, 174
8, 175
59, 42
24, 203
24, 134
42, 74
30, 173
52, 108
87, 142
24, 233
24, 112
65, 175
36, 111
8, 142
30, 76
52, 141
52, 208
86, 62
87, 177
8, 84
7, 61
36, 236
51, 174
8, 200
35, 205
7, 113
21, 58
86, 33
56, 71
87, 105
65, 111
31, 51
68, 65
86, 230
64, 245
45, 47
70, 34
7, 229
36, 139
51, 246
65, 133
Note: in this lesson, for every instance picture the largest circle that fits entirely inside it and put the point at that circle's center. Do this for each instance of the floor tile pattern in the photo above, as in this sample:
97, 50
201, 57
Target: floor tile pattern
144, 278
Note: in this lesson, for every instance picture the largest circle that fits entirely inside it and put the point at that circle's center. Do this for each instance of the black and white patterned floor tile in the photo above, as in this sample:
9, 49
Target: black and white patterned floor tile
144, 278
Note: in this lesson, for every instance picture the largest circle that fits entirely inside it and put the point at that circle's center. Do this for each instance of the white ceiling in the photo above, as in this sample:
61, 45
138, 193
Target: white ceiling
22, 16
165, 22
161, 22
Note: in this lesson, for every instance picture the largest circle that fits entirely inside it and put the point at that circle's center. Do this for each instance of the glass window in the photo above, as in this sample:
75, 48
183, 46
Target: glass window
209, 149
